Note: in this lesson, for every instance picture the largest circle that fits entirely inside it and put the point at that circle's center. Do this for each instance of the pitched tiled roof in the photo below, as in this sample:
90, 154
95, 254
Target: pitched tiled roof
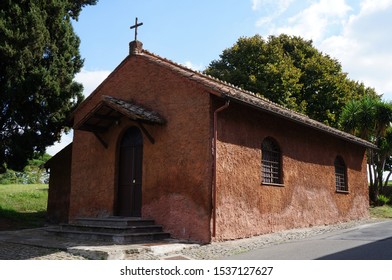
248, 98
234, 93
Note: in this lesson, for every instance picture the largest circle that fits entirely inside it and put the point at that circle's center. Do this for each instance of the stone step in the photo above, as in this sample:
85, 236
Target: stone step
114, 221
117, 230
129, 238
111, 229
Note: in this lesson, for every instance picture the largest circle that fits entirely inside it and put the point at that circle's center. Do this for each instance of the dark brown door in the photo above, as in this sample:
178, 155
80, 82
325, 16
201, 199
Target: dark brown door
129, 194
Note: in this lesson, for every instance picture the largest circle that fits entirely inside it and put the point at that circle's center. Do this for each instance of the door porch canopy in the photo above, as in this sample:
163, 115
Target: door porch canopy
110, 110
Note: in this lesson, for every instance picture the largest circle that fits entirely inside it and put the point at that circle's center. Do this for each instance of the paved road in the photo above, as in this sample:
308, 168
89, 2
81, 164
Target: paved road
366, 242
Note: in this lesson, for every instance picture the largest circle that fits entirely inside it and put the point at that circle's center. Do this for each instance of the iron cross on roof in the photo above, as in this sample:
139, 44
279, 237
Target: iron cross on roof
135, 27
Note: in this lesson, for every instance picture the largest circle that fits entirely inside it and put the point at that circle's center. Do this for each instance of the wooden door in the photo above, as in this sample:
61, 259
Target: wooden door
129, 193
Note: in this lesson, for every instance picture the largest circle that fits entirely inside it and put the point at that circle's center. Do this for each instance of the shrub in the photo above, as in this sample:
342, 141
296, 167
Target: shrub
382, 199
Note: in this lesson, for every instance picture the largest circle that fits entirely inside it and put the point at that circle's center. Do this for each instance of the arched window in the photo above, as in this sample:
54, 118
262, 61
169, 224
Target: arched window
271, 167
340, 175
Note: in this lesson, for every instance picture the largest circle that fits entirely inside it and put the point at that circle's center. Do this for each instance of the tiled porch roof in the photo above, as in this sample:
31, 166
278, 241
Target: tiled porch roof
111, 110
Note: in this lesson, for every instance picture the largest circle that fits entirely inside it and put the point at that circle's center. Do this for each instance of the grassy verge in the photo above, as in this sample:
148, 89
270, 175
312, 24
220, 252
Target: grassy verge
384, 212
22, 206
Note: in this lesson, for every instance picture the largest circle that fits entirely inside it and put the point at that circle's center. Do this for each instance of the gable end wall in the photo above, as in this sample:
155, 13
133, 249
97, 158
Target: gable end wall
176, 189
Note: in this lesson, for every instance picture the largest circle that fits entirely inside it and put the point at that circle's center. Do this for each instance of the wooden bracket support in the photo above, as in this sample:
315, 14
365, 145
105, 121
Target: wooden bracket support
145, 132
101, 140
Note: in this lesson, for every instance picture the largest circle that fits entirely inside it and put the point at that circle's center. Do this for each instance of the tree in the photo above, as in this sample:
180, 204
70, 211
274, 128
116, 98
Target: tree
291, 72
370, 118
39, 57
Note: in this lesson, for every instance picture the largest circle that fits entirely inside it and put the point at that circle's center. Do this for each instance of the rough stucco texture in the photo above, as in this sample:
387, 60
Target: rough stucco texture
176, 169
59, 186
308, 196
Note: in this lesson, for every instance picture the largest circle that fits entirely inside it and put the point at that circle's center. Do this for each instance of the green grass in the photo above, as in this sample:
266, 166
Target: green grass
384, 212
22, 206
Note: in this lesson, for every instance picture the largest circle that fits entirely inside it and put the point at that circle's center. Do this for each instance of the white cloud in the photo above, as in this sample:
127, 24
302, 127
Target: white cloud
256, 4
281, 5
363, 46
274, 8
315, 21
91, 79
356, 34
196, 67
372, 6
264, 21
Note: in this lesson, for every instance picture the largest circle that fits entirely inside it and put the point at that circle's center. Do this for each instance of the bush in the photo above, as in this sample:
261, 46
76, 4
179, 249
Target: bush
33, 173
11, 177
382, 200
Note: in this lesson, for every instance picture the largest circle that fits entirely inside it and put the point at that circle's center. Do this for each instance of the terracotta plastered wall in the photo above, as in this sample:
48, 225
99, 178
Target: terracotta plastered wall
59, 186
176, 169
308, 196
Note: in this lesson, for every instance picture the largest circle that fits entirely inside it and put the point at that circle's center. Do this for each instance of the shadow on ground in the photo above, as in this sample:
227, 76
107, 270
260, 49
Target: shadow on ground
379, 250
13, 220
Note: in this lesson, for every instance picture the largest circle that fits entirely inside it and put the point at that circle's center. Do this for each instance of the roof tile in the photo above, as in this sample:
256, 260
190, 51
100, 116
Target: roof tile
251, 99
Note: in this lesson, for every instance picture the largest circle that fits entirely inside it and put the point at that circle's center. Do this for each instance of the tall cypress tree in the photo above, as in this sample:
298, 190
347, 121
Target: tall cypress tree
39, 57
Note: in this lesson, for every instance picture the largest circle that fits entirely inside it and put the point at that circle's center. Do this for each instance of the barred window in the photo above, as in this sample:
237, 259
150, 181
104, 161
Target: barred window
340, 175
270, 162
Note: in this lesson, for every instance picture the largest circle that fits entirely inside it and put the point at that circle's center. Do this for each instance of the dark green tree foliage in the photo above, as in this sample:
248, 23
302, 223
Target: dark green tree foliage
39, 57
291, 72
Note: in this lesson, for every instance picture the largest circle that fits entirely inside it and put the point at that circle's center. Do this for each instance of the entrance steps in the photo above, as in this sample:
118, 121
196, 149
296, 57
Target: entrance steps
117, 230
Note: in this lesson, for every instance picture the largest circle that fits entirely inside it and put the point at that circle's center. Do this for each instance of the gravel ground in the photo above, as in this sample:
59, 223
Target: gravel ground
216, 250
11, 251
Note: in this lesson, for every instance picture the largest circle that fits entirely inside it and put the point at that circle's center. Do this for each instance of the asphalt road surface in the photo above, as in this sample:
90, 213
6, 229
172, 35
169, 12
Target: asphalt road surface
365, 242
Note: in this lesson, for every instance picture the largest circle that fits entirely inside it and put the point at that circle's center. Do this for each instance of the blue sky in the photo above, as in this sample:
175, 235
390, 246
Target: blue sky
195, 32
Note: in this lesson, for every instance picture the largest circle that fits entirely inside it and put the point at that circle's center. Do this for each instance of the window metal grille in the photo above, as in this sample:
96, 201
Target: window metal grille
271, 162
340, 175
